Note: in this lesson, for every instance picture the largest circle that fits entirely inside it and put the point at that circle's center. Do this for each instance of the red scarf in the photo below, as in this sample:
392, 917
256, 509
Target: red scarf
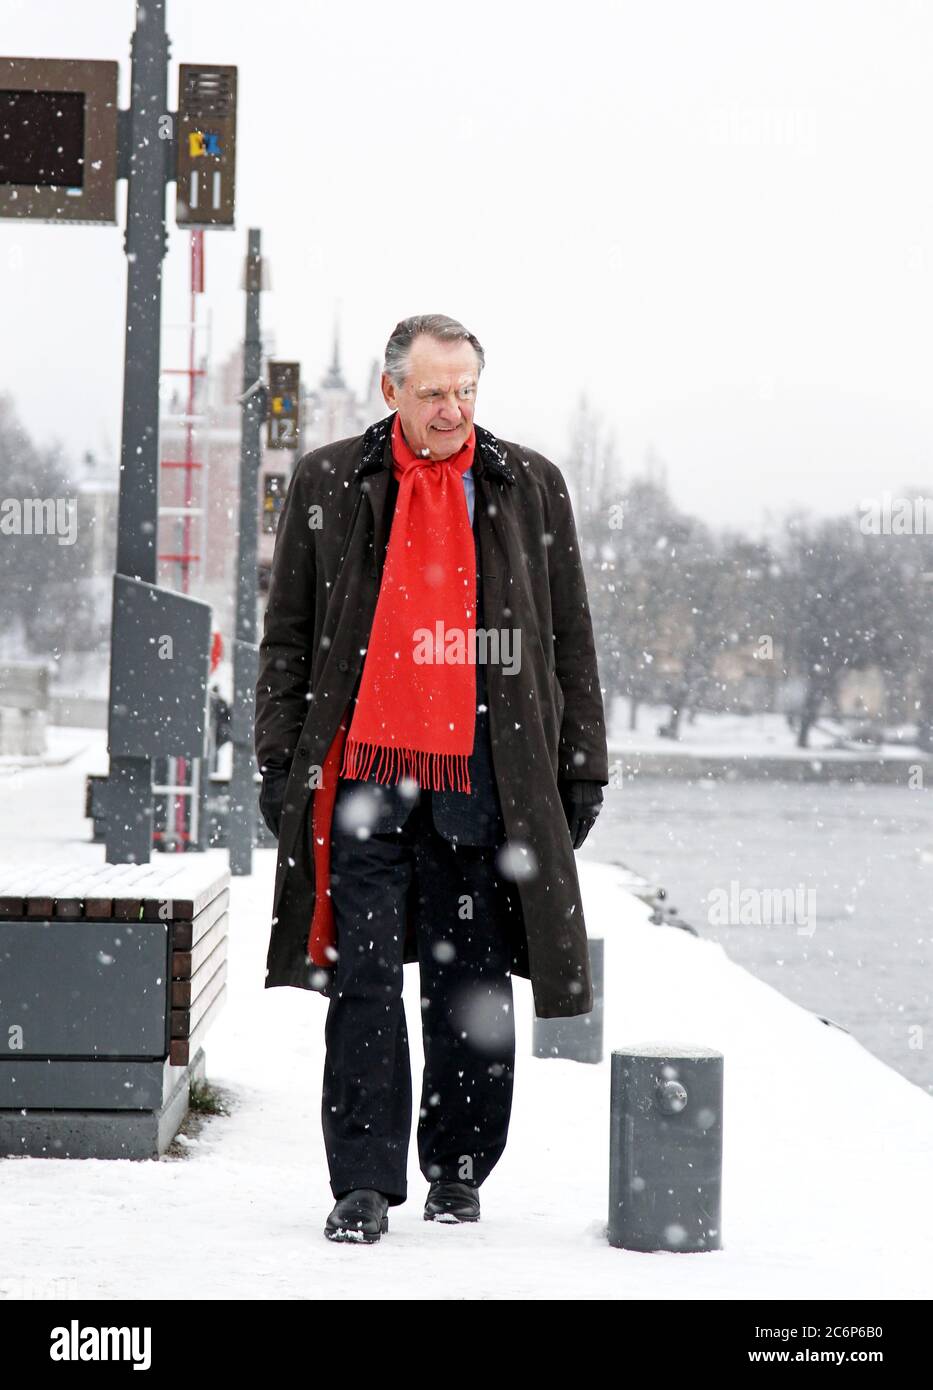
419, 717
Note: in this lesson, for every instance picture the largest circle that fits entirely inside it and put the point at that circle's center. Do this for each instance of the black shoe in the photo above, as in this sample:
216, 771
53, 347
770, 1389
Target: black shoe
452, 1201
359, 1216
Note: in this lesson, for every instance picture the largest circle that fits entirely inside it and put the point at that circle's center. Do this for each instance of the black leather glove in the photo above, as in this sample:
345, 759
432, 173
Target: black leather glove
272, 794
582, 803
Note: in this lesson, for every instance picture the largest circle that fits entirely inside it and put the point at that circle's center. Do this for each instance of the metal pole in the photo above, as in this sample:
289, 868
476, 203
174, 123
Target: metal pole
579, 1038
129, 821
185, 810
242, 814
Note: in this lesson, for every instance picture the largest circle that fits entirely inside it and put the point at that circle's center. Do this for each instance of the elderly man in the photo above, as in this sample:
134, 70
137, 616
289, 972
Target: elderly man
430, 729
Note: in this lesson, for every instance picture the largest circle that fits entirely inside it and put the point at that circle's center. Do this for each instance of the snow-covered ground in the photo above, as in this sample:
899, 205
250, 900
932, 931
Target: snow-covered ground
827, 1152
743, 736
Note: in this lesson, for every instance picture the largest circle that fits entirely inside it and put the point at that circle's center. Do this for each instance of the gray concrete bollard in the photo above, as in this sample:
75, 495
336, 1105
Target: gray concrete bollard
578, 1039
665, 1148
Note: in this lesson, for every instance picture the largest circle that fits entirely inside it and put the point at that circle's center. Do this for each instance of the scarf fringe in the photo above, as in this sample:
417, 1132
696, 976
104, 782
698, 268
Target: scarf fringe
436, 771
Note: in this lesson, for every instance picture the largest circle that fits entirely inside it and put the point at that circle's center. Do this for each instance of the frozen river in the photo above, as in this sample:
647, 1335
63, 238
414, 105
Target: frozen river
865, 958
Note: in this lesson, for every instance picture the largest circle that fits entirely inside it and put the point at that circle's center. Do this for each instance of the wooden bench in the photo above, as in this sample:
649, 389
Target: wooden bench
109, 981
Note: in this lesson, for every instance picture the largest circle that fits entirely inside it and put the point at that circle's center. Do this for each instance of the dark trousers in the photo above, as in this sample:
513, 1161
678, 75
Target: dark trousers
462, 909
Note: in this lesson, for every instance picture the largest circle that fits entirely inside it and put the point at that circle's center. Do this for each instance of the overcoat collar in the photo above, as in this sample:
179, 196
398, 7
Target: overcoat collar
490, 458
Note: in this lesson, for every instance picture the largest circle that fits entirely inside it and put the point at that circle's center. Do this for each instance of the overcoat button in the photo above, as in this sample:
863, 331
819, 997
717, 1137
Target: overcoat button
302, 750
344, 665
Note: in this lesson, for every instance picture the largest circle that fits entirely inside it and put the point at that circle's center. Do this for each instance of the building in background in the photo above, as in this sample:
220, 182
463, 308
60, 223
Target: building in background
199, 481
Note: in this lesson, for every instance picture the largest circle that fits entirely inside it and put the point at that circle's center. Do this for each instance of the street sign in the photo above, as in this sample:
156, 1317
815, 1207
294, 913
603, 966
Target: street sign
284, 387
205, 184
58, 139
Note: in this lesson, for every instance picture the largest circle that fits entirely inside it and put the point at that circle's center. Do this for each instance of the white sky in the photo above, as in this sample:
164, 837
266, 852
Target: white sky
716, 218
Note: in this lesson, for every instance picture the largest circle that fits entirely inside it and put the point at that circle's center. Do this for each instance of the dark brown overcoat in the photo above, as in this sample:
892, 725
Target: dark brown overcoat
546, 721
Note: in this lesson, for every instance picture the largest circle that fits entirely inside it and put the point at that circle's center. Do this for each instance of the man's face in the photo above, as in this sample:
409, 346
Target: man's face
436, 403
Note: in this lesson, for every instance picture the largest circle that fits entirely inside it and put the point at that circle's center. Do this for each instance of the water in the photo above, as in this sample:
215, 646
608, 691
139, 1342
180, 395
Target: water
866, 851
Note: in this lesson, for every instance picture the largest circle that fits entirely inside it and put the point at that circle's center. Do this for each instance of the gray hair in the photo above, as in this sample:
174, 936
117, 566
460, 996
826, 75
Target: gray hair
439, 326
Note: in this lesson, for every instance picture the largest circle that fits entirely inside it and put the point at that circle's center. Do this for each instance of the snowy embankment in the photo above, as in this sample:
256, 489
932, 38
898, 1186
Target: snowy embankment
828, 1152
759, 740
